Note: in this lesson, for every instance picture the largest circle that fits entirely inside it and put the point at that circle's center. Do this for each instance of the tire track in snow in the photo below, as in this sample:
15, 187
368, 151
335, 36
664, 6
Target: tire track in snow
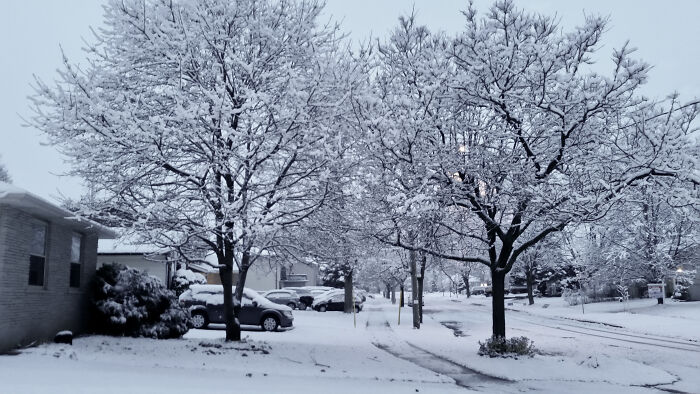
610, 334
462, 375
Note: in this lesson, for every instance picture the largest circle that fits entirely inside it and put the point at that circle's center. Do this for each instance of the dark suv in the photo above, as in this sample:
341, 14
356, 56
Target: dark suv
334, 300
284, 297
306, 297
206, 305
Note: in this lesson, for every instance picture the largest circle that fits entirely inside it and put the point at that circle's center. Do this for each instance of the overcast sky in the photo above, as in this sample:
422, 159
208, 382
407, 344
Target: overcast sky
666, 34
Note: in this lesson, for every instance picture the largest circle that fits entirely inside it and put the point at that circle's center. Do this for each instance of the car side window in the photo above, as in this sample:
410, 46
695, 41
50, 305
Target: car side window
338, 298
273, 295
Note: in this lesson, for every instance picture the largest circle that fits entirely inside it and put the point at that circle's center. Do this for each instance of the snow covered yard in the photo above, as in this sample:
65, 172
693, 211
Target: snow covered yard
323, 353
575, 356
673, 318
326, 353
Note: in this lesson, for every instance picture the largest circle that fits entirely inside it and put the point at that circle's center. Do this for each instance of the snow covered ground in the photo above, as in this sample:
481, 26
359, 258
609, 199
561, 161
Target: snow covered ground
647, 348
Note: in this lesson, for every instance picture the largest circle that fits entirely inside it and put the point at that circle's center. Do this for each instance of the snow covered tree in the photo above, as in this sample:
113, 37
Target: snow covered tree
4, 175
410, 87
532, 140
553, 143
204, 121
648, 235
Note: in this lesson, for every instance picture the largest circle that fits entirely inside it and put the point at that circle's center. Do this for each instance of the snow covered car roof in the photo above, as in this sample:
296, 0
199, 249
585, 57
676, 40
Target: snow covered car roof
330, 293
214, 294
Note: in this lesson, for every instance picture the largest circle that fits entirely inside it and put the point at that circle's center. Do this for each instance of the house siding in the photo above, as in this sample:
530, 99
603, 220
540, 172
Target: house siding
158, 268
36, 313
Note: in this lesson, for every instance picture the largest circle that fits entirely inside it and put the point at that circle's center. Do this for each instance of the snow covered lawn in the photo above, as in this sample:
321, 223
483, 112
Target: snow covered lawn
326, 353
658, 348
673, 318
323, 353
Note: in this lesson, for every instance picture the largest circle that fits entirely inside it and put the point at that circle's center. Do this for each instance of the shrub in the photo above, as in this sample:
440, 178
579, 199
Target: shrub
502, 347
130, 302
185, 278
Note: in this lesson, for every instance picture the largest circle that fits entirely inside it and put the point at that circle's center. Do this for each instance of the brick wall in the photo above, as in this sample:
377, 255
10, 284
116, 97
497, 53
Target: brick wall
36, 313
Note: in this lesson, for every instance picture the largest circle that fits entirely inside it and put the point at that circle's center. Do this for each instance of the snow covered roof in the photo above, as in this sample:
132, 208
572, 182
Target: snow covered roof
39, 207
127, 246
202, 268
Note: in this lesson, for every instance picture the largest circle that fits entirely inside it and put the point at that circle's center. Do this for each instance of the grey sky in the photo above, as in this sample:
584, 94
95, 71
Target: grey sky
666, 34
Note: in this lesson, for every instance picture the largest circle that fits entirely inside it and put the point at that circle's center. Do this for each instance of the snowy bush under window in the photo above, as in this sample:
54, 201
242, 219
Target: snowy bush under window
185, 278
129, 302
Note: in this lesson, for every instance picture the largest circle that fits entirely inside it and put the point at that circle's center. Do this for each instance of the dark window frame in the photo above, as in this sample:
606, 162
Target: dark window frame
37, 262
76, 265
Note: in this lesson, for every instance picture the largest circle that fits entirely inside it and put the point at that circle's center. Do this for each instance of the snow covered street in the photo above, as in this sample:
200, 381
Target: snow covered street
326, 353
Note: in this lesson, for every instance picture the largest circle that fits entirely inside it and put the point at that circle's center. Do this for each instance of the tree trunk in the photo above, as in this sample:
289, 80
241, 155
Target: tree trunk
226, 274
401, 305
347, 308
529, 278
498, 304
242, 275
421, 277
465, 279
420, 298
414, 290
393, 295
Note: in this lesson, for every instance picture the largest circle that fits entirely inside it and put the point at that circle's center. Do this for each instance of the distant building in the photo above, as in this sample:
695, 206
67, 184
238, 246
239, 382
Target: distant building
47, 264
267, 273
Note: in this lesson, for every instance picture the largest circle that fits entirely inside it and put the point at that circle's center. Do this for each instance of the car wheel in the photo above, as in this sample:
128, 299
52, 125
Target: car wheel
199, 319
269, 323
292, 305
302, 306
322, 308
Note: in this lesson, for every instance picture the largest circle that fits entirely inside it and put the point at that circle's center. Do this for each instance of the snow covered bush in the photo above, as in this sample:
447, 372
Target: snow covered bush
133, 303
502, 347
574, 296
185, 278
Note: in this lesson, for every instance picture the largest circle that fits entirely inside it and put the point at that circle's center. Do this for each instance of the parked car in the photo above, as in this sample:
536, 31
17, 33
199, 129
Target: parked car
306, 297
206, 305
362, 294
317, 292
478, 290
284, 297
518, 290
334, 300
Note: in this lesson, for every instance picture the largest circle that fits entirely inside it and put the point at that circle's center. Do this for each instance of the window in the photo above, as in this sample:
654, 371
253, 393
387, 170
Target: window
75, 248
37, 253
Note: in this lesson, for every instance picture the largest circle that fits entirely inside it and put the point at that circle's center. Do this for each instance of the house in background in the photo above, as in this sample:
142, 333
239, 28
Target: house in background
269, 272
47, 263
155, 261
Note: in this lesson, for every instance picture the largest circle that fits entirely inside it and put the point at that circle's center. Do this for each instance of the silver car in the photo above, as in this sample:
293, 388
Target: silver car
284, 297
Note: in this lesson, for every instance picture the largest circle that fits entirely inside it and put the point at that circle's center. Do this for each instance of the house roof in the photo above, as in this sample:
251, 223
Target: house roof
31, 203
126, 246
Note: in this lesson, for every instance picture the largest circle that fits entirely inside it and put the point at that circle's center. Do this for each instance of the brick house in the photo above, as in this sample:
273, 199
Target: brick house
47, 262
